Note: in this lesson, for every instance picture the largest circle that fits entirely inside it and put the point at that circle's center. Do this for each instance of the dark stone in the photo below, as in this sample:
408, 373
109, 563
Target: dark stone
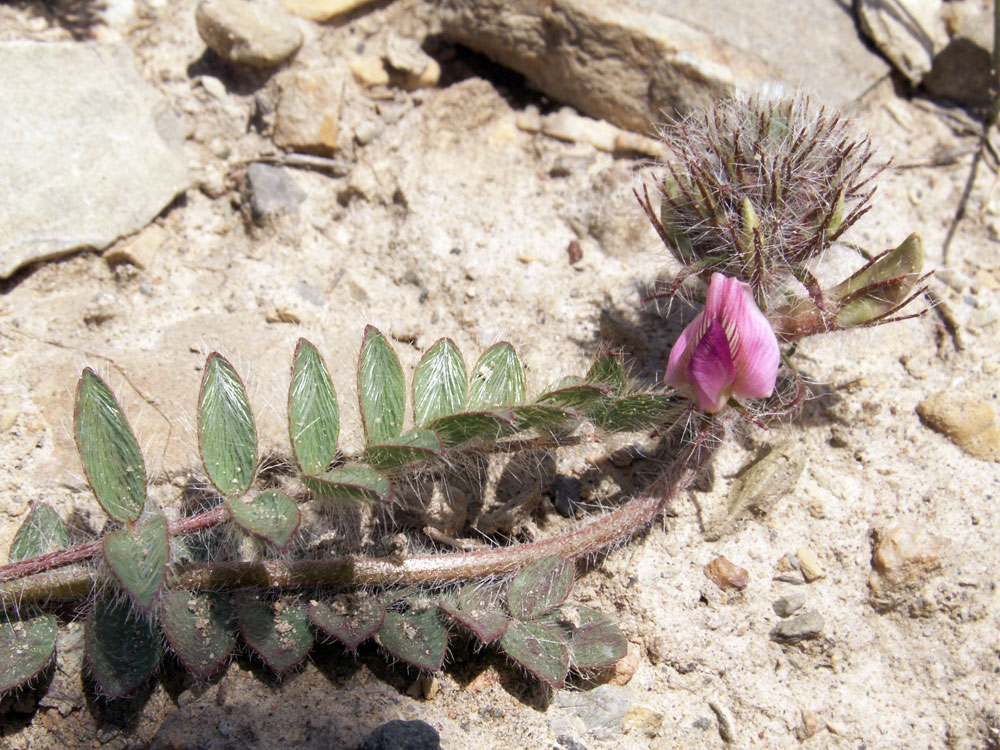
566, 495
272, 191
961, 74
403, 735
570, 743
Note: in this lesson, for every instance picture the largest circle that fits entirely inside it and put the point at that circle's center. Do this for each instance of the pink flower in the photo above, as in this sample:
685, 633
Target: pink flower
729, 349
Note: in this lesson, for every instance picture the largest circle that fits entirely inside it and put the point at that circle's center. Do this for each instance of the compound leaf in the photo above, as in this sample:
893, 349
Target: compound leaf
42, 531
417, 637
200, 630
538, 648
540, 587
138, 559
121, 649
271, 516
350, 624
27, 646
313, 413
227, 435
111, 457
439, 383
281, 637
381, 389
497, 379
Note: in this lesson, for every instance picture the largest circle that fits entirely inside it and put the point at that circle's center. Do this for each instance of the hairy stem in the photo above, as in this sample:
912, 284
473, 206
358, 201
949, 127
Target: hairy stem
592, 537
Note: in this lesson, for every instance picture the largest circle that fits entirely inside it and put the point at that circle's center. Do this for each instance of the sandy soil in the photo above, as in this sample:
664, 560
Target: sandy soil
450, 224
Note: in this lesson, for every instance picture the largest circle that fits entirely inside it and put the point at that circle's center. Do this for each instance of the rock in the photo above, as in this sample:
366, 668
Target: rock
809, 725
272, 191
725, 575
961, 71
727, 724
411, 67
139, 250
904, 556
213, 86
566, 491
567, 125
7, 417
630, 61
642, 719
370, 71
908, 32
246, 33
91, 152
403, 735
623, 670
602, 709
966, 419
306, 118
808, 624
809, 564
323, 10
789, 604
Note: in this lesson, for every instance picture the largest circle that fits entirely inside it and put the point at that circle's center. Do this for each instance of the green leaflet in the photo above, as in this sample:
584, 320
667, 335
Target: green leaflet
121, 649
417, 637
351, 483
594, 641
439, 384
108, 448
41, 532
227, 435
279, 635
540, 587
538, 648
497, 379
381, 389
411, 447
479, 610
456, 429
313, 414
609, 372
200, 629
639, 412
271, 516
138, 559
27, 645
354, 623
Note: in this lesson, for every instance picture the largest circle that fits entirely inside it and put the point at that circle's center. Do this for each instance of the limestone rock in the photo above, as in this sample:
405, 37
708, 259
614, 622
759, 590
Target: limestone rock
908, 32
904, 556
91, 153
967, 420
323, 10
633, 62
306, 118
246, 33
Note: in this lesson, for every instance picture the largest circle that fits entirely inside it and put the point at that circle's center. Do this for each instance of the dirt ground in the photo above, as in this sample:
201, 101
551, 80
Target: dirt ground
451, 223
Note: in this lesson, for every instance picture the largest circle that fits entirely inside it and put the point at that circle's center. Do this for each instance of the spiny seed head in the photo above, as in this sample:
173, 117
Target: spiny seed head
758, 186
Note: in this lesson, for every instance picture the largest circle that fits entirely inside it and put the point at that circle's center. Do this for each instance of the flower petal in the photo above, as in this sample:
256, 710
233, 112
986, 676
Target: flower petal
680, 354
711, 370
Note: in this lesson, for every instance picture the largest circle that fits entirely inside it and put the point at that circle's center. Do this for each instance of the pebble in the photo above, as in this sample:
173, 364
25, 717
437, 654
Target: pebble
966, 419
139, 250
568, 125
213, 86
98, 154
809, 725
7, 418
566, 495
323, 10
366, 132
904, 556
809, 564
789, 604
808, 624
402, 735
212, 182
726, 575
727, 724
623, 670
370, 71
602, 709
413, 67
642, 719
246, 33
272, 191
306, 118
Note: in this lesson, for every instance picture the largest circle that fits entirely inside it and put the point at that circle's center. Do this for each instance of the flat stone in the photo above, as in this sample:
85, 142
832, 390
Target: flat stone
90, 151
904, 556
306, 118
966, 419
247, 33
139, 250
788, 604
726, 575
323, 10
908, 32
370, 71
809, 564
632, 61
272, 191
403, 735
602, 709
808, 624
